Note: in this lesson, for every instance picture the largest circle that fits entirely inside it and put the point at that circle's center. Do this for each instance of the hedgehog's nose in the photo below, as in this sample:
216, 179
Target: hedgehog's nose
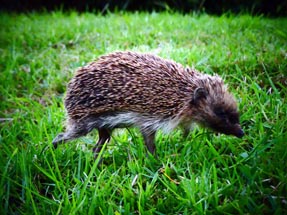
240, 133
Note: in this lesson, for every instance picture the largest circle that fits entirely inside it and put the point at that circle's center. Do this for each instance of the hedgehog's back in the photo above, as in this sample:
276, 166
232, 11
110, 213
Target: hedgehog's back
128, 81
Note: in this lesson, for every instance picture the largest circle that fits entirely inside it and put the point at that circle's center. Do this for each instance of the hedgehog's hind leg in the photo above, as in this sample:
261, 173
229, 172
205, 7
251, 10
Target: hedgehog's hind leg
104, 136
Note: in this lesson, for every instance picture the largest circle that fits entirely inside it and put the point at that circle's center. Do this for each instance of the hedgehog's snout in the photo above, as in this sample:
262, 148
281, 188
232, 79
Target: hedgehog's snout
229, 129
239, 132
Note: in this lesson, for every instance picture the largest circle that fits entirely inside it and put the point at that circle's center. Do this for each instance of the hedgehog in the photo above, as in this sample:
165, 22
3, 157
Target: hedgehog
125, 88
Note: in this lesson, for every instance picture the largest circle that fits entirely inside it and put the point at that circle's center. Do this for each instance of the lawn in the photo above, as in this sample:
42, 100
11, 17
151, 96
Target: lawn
204, 173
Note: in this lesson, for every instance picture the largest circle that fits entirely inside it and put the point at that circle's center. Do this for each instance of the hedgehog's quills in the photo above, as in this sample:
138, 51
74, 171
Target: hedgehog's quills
126, 89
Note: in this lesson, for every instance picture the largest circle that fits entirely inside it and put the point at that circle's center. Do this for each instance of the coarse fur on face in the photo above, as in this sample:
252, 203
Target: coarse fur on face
126, 89
214, 107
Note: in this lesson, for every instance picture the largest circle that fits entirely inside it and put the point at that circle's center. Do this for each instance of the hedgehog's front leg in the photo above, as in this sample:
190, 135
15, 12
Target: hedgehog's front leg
104, 135
149, 137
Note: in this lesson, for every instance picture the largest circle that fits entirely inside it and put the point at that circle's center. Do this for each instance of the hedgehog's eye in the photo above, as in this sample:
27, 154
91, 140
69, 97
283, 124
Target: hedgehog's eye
220, 113
234, 118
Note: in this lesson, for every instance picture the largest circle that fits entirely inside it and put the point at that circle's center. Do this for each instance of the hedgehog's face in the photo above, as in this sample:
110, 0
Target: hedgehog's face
219, 114
225, 120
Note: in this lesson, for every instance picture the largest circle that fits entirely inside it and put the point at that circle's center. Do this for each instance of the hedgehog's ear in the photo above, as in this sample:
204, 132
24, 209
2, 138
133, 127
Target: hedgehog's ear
199, 94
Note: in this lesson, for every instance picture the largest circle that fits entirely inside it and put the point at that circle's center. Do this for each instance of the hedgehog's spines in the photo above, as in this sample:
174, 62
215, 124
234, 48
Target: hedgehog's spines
125, 89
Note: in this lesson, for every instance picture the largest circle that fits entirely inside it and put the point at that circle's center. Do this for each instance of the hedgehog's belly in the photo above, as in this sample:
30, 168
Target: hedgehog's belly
129, 119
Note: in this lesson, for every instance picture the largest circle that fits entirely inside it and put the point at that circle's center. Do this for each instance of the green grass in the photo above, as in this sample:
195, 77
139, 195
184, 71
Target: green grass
203, 174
